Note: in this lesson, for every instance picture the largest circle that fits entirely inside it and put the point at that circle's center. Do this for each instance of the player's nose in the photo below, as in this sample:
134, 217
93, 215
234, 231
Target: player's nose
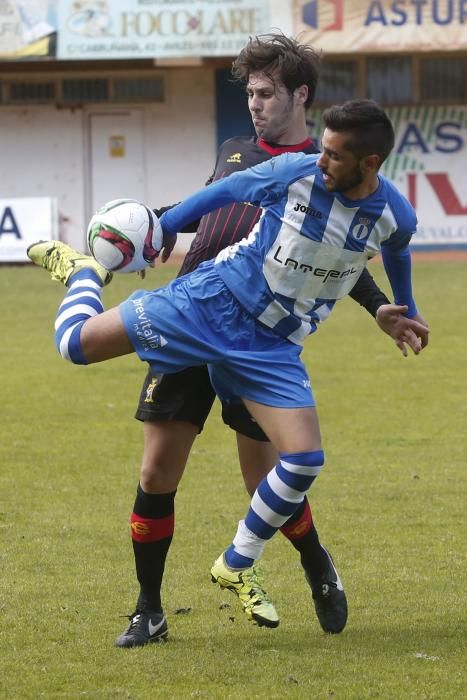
255, 104
322, 160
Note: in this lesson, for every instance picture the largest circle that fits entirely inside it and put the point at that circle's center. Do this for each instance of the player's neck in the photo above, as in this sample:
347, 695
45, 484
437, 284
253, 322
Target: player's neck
276, 148
296, 133
364, 190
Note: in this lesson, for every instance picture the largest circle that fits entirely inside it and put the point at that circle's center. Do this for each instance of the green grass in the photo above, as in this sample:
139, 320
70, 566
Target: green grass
389, 504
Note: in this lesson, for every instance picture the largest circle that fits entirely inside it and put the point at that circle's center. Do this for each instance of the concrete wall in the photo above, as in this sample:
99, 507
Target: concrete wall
42, 153
44, 150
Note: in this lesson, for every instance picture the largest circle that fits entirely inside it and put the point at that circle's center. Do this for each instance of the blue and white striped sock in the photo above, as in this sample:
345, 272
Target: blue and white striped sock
277, 497
82, 301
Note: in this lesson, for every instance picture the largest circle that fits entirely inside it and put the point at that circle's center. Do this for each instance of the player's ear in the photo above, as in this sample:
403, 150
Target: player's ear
372, 162
301, 94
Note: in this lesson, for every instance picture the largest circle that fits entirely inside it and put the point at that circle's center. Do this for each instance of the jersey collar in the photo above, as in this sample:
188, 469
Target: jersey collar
276, 149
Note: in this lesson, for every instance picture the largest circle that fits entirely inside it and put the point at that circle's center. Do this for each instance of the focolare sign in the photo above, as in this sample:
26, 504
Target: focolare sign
157, 28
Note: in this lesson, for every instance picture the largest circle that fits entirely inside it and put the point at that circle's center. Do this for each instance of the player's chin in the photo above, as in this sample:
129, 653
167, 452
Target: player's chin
329, 182
262, 130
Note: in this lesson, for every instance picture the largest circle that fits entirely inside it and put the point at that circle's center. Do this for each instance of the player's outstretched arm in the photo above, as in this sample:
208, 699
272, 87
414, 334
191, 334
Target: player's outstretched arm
412, 332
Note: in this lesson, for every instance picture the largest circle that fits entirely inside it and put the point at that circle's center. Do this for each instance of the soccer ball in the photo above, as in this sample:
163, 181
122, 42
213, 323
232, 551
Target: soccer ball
124, 236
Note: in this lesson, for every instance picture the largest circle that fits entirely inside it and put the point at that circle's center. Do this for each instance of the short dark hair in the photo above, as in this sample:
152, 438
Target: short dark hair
370, 129
277, 55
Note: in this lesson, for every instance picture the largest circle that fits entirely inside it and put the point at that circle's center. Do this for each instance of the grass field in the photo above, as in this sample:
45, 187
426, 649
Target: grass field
390, 506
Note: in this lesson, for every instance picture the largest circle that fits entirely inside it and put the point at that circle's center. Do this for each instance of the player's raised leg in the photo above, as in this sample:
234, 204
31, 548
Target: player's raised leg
84, 333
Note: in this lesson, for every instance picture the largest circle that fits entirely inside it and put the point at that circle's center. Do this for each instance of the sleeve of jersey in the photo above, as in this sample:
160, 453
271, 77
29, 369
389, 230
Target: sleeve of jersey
395, 251
398, 266
367, 293
260, 185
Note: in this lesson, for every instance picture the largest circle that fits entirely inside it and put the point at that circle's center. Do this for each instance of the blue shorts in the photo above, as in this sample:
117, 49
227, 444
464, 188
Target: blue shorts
195, 320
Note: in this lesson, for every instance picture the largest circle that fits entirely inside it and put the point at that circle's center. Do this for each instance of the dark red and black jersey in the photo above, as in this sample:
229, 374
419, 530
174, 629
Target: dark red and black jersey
225, 226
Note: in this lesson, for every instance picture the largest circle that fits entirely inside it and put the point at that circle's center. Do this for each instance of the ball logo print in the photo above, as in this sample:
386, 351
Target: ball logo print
124, 236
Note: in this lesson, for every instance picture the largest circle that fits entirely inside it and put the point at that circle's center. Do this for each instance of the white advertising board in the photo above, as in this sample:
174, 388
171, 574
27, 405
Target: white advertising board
23, 221
158, 28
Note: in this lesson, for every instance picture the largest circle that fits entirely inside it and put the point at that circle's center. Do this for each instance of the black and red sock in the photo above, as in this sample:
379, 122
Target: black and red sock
301, 532
152, 525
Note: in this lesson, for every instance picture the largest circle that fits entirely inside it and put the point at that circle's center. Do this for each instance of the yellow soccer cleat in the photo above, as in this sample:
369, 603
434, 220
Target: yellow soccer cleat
246, 585
62, 261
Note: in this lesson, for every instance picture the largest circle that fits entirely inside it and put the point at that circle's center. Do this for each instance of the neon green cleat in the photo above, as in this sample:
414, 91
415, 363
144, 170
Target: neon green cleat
62, 261
246, 585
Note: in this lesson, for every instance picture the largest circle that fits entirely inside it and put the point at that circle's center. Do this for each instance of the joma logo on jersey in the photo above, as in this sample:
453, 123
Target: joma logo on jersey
316, 271
304, 209
235, 158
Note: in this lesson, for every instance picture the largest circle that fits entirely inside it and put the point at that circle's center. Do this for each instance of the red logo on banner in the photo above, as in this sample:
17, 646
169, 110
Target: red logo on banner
443, 189
310, 15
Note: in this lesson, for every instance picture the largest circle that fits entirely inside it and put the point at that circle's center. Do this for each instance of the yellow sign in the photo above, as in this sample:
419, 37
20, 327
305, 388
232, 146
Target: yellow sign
117, 146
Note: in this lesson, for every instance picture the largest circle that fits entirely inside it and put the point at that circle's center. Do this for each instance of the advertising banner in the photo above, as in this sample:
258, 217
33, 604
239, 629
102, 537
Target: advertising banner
345, 26
23, 221
28, 29
157, 28
428, 165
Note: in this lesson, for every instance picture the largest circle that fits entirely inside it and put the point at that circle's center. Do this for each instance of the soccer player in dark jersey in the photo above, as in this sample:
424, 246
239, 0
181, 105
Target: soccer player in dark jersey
281, 77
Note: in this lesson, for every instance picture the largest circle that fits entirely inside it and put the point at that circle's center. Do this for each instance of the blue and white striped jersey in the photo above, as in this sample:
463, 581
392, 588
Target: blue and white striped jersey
310, 245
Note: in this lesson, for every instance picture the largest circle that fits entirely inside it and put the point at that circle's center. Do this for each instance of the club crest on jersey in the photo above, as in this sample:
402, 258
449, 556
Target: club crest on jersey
362, 228
235, 158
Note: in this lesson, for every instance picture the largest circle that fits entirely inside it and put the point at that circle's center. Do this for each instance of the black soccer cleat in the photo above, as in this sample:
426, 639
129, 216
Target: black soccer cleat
144, 628
329, 598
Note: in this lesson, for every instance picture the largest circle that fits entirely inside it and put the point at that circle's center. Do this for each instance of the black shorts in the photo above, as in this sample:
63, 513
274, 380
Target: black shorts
188, 396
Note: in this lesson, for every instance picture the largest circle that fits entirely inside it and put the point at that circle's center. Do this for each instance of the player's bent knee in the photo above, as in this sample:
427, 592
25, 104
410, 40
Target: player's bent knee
68, 344
77, 346
313, 459
104, 337
300, 469
93, 339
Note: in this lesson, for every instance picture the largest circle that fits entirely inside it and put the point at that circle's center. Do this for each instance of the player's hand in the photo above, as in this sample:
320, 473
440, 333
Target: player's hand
168, 244
411, 332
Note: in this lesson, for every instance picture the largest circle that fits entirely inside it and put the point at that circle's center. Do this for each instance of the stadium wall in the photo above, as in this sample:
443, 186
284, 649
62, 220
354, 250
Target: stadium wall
50, 151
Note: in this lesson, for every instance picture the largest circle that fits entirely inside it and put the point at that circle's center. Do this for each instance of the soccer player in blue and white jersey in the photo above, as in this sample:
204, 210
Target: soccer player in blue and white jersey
247, 312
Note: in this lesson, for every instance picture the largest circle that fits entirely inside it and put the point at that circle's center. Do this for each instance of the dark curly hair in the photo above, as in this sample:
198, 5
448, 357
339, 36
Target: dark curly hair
279, 56
370, 129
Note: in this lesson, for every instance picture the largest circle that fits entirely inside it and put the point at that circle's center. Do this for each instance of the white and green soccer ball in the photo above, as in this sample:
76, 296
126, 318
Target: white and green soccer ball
124, 236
